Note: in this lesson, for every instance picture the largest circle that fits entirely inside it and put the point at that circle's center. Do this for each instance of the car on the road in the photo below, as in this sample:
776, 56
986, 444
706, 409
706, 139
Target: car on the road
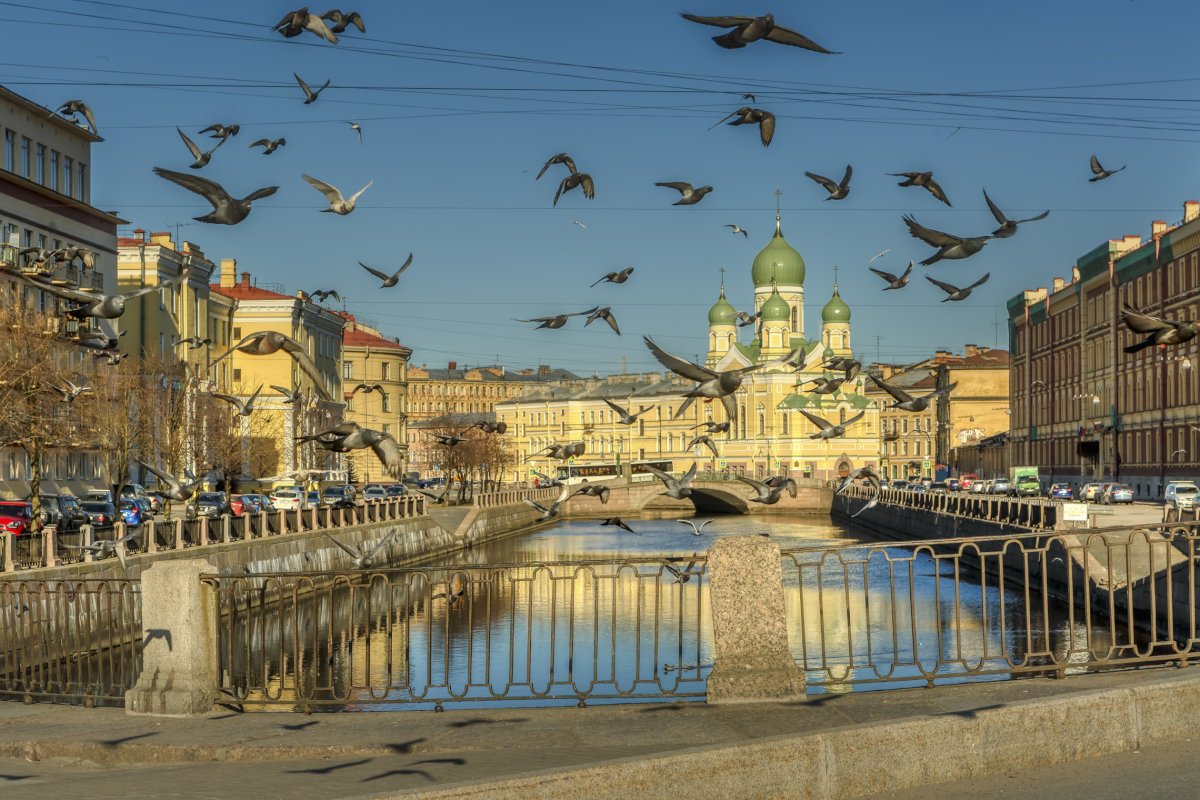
979, 487
884, 484
966, 481
1026, 486
289, 499
1117, 493
157, 501
98, 496
256, 503
1091, 492
1181, 494
918, 488
900, 484
101, 515
396, 490
952, 485
939, 487
16, 517
237, 506
132, 512
1060, 491
374, 492
212, 504
63, 512
336, 497
313, 498
1002, 486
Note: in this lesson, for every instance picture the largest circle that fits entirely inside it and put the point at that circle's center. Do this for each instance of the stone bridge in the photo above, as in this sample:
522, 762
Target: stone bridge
708, 497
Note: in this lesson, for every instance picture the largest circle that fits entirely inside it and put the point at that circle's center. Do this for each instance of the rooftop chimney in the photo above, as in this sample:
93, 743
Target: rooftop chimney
163, 238
1191, 210
1059, 283
245, 284
139, 233
1074, 274
228, 271
453, 365
1158, 228
970, 350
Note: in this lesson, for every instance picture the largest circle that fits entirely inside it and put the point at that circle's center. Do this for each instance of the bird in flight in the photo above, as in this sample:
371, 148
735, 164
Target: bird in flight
925, 181
337, 203
620, 524
575, 180
689, 195
696, 529
738, 229
296, 22
905, 401
955, 293
244, 407
351, 436
949, 245
752, 29
220, 131
845, 364
624, 417
201, 158
342, 21
226, 209
826, 429
713, 427
606, 315
826, 385
746, 115
767, 494
579, 223
360, 556
894, 281
72, 108
560, 158
1008, 227
70, 391
195, 342
709, 383
706, 440
837, 191
676, 488
1160, 331
265, 343
290, 396
269, 145
309, 95
388, 280
1100, 173
878, 255
597, 490
354, 126
320, 295
616, 277
367, 388
559, 320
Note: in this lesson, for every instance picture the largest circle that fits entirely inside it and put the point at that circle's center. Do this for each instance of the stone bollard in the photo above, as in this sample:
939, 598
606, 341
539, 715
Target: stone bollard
226, 528
87, 535
179, 544
49, 546
179, 661
750, 639
10, 556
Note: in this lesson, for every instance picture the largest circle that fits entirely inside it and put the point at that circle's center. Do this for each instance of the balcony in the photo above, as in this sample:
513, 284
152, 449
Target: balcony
57, 273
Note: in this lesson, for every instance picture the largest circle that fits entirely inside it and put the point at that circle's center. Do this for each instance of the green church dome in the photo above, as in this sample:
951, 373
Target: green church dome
778, 261
836, 309
722, 313
776, 308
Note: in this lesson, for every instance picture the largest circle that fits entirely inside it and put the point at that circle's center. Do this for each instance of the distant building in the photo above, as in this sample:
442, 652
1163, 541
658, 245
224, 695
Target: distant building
471, 390
368, 359
1083, 409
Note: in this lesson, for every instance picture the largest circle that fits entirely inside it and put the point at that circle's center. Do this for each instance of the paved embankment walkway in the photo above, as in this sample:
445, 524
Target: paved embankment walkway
831, 746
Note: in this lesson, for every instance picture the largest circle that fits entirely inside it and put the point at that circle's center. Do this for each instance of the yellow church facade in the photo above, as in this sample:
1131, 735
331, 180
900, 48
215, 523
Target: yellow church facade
769, 436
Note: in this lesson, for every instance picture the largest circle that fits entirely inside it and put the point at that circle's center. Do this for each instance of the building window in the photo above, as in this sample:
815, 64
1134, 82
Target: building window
348, 371
39, 165
10, 151
383, 371
54, 159
68, 176
237, 332
387, 402
237, 375
81, 188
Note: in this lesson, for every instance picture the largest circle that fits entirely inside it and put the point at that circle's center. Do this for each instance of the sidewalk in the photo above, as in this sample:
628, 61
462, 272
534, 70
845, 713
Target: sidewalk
829, 746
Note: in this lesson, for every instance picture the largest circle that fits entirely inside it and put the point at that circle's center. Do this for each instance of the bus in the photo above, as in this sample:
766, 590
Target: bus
572, 474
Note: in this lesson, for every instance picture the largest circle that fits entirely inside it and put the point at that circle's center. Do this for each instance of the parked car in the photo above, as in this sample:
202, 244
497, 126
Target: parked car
918, 488
900, 484
131, 490
1060, 491
16, 517
978, 486
396, 490
952, 485
939, 487
1091, 492
98, 496
313, 498
132, 512
374, 492
883, 484
965, 482
1181, 494
256, 503
157, 500
1002, 486
336, 497
63, 512
1117, 493
237, 506
1026, 486
289, 499
101, 515
212, 504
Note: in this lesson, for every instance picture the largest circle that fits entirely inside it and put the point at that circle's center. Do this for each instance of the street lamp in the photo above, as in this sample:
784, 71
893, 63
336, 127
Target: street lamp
1082, 418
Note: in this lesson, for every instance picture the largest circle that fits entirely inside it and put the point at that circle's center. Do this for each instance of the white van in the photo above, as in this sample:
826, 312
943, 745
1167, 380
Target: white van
1181, 494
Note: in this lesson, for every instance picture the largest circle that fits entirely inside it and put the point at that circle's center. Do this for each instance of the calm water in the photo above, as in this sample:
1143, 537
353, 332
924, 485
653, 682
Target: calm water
593, 611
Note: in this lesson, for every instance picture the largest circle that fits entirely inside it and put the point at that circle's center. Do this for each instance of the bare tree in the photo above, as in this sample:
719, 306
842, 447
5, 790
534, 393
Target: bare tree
237, 446
118, 416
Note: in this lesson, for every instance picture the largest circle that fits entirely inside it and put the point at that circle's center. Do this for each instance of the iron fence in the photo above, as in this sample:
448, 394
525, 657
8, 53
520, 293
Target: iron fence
541, 634
889, 615
70, 641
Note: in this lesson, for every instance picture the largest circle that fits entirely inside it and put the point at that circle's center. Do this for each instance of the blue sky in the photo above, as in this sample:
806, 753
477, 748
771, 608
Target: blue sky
461, 104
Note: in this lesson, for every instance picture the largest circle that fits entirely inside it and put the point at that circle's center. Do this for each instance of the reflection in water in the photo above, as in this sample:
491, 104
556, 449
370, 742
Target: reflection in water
595, 613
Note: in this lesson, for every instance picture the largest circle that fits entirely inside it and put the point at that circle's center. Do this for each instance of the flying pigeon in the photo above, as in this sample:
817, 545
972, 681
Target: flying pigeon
752, 29
689, 195
949, 245
616, 277
837, 191
924, 180
894, 281
1008, 227
337, 203
955, 293
226, 209
388, 280
1099, 172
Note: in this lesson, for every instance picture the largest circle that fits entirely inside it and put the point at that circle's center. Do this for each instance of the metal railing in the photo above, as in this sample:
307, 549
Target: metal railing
46, 548
1037, 513
946, 611
70, 641
505, 497
530, 634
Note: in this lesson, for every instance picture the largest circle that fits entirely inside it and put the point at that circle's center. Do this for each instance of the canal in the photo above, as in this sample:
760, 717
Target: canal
578, 611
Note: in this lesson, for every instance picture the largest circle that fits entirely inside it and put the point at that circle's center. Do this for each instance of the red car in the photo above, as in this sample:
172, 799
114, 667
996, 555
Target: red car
16, 517
236, 505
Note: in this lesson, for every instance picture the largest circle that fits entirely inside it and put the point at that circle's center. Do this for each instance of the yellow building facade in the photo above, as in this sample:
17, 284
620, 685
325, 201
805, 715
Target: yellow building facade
370, 358
768, 437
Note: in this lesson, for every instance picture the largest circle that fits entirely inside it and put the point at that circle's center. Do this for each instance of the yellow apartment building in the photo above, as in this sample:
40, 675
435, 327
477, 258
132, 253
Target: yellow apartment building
369, 357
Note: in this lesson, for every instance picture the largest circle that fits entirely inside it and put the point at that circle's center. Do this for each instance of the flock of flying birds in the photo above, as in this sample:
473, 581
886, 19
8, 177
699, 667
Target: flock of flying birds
710, 384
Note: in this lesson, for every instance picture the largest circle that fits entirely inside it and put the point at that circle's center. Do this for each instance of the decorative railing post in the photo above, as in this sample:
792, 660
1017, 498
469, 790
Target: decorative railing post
178, 534
10, 544
87, 535
50, 546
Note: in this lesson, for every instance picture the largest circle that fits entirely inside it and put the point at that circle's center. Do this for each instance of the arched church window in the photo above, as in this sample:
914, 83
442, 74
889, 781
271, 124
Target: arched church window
762, 420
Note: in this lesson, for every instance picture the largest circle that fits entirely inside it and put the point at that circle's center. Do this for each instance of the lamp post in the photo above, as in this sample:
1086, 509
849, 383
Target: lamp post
1185, 365
1083, 418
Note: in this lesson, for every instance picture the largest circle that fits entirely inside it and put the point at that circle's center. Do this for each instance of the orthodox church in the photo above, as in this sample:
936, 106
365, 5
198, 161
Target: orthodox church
769, 437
